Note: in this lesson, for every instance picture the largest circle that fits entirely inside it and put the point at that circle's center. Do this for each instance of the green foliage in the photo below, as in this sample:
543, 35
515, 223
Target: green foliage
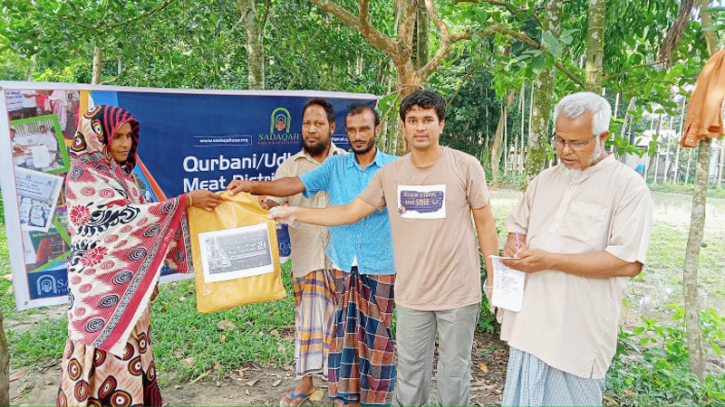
2, 222
7, 302
472, 117
12, 66
652, 364
718, 16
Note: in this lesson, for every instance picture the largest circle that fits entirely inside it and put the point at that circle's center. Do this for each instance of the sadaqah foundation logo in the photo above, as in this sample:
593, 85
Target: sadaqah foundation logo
280, 120
279, 129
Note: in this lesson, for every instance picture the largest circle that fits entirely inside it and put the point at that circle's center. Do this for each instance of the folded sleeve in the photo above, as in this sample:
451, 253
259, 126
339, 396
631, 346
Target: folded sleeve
318, 179
631, 227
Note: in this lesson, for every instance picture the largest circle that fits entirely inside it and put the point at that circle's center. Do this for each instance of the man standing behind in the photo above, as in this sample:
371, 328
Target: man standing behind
314, 285
362, 354
432, 193
30, 105
583, 229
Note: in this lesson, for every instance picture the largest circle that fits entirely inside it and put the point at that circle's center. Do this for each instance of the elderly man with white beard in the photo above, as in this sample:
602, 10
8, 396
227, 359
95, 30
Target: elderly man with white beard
583, 230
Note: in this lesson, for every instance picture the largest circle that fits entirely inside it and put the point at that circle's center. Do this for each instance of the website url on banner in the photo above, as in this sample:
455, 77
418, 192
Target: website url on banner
214, 141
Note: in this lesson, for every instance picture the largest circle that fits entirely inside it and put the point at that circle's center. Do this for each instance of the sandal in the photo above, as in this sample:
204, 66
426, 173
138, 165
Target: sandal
341, 403
293, 397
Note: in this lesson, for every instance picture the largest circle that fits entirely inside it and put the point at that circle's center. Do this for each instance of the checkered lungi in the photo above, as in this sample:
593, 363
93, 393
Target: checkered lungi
362, 356
315, 301
531, 382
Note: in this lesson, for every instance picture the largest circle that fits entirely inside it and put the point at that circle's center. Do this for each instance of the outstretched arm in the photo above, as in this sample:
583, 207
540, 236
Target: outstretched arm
330, 216
282, 187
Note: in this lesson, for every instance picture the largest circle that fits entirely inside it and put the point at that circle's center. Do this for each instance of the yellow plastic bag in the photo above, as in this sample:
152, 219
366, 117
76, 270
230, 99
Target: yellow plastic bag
235, 211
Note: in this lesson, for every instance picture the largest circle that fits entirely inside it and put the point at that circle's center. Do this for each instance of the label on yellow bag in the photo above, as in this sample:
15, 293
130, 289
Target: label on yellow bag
235, 254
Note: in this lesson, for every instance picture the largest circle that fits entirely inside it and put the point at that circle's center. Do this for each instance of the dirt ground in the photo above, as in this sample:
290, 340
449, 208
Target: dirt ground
253, 385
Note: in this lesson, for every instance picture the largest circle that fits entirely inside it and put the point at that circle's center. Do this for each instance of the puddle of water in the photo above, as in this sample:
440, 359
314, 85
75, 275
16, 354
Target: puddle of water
676, 209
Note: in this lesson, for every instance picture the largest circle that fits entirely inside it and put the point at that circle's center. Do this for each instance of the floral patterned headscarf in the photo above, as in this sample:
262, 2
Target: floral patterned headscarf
96, 130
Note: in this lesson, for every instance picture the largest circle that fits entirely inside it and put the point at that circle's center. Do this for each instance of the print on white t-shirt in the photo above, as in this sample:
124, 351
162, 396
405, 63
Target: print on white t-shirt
422, 201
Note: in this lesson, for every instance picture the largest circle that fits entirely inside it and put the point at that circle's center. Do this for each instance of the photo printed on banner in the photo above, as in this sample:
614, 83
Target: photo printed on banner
37, 144
37, 196
236, 253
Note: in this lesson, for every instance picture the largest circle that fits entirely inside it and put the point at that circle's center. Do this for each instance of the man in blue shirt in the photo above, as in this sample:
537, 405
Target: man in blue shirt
362, 354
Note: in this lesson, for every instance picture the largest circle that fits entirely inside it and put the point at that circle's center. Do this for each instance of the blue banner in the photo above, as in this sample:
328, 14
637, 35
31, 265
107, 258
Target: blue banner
192, 141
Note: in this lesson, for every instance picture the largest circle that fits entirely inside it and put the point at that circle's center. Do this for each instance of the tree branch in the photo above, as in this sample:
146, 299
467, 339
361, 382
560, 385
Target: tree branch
405, 28
364, 11
508, 6
149, 13
371, 34
571, 75
618, 74
445, 47
265, 17
504, 4
442, 27
463, 82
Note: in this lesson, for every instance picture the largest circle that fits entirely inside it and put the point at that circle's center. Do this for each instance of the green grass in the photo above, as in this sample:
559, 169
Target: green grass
7, 302
712, 191
264, 334
38, 345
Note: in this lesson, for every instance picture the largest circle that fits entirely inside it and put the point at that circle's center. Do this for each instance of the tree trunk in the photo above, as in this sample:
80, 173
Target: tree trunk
697, 228
667, 154
520, 146
655, 160
689, 275
408, 82
595, 45
4, 366
679, 135
616, 106
97, 64
421, 35
544, 89
255, 43
31, 70
721, 164
627, 117
496, 149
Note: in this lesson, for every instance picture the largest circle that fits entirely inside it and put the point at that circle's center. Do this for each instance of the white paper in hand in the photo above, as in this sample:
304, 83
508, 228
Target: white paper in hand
508, 286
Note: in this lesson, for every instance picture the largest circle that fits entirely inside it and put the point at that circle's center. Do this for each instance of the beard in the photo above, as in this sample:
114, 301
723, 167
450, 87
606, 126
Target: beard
597, 153
571, 174
315, 149
366, 148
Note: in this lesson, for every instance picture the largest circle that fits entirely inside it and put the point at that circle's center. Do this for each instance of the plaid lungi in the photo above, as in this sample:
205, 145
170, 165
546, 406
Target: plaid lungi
531, 382
315, 301
362, 357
